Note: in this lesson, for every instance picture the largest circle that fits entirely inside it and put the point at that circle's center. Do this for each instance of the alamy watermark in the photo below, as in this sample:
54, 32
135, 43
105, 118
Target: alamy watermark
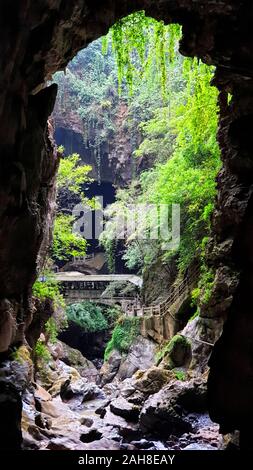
133, 221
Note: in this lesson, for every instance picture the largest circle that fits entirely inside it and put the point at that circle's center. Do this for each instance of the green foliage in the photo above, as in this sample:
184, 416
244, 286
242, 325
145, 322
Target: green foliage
72, 174
170, 348
87, 315
180, 137
111, 314
124, 333
141, 45
195, 294
47, 287
52, 330
120, 289
206, 283
195, 315
41, 351
66, 243
179, 374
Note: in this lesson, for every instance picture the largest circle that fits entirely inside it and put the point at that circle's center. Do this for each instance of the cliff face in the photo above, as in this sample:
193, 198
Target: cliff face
115, 163
39, 38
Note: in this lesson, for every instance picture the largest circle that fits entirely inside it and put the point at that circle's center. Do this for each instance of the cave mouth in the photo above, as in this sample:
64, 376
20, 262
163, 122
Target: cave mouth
218, 32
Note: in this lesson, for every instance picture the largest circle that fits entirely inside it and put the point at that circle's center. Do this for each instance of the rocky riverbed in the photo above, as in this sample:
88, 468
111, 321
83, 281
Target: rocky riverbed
75, 408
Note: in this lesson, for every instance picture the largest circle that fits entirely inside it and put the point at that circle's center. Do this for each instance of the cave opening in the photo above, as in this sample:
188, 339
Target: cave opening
220, 34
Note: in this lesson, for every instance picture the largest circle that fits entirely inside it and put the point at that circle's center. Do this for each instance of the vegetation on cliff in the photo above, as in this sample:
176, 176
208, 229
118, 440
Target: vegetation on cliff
123, 335
179, 137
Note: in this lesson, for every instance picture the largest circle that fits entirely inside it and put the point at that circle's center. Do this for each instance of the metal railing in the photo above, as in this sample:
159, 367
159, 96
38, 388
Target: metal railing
176, 293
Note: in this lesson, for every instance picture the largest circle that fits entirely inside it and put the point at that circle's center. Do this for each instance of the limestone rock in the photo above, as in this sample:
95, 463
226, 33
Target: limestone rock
90, 435
162, 413
74, 358
152, 380
110, 368
124, 408
141, 356
177, 353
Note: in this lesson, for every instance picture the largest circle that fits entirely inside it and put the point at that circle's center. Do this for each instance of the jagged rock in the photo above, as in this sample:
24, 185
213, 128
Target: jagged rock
92, 391
74, 358
122, 407
8, 326
162, 413
61, 374
41, 394
144, 383
152, 380
65, 443
178, 352
156, 280
91, 435
193, 397
103, 444
101, 410
86, 421
126, 428
110, 368
141, 356
43, 421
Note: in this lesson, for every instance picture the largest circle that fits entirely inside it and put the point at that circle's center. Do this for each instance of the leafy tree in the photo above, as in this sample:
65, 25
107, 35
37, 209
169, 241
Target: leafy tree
66, 243
72, 174
179, 137
47, 287
88, 316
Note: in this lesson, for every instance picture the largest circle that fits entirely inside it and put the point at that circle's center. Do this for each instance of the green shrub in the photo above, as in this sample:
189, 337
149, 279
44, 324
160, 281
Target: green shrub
47, 287
88, 316
52, 330
112, 314
41, 351
179, 374
206, 284
124, 333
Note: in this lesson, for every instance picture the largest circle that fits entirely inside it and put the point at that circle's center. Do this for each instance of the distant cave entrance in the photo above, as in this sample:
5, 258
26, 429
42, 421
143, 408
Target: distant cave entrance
72, 141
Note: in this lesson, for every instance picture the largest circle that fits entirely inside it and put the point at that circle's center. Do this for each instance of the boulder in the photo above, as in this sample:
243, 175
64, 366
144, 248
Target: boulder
63, 373
124, 408
177, 353
90, 435
162, 413
193, 396
41, 394
127, 429
74, 358
152, 380
103, 444
141, 356
86, 421
92, 391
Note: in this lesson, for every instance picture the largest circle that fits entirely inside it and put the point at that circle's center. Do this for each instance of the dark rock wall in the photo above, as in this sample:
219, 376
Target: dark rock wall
39, 38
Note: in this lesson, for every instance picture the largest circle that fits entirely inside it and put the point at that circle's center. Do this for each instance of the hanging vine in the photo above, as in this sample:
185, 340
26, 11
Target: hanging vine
141, 43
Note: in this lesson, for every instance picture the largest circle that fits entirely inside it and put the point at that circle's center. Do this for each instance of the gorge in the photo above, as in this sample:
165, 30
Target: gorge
166, 387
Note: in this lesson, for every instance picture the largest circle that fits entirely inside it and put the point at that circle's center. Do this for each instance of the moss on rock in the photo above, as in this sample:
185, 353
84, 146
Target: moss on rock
175, 353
